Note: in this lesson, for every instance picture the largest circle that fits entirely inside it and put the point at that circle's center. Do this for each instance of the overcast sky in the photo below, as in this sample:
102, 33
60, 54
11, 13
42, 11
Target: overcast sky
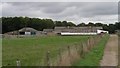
77, 12
60, 0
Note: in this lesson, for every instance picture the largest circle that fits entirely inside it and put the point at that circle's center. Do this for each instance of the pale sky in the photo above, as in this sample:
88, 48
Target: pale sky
60, 0
77, 12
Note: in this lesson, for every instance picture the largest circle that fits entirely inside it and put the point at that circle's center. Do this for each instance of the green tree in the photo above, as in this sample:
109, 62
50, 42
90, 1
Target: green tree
90, 24
98, 24
81, 24
70, 24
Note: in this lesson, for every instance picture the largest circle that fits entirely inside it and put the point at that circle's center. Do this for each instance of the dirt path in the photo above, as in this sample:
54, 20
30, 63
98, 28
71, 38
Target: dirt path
110, 57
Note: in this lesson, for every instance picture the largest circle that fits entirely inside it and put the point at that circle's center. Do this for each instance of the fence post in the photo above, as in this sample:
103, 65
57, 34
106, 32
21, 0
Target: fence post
94, 41
18, 63
69, 54
60, 56
76, 47
48, 58
82, 51
69, 50
90, 41
88, 44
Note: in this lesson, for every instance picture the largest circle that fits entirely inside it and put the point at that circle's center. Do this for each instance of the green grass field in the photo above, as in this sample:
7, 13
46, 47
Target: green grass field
32, 51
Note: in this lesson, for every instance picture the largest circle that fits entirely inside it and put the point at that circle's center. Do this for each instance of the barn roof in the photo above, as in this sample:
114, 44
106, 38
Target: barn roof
88, 27
47, 30
59, 27
28, 29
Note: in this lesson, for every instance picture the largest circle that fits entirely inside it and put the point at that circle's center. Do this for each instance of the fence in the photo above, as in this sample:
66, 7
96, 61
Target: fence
67, 55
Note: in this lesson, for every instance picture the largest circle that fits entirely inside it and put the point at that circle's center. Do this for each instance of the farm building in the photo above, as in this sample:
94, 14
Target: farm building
12, 33
27, 31
77, 30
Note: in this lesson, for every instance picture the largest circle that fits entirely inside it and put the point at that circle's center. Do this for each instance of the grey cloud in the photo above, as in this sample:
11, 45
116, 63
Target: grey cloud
72, 11
59, 0
101, 9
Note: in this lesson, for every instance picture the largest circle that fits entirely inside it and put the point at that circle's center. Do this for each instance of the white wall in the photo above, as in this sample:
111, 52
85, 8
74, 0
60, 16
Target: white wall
99, 31
27, 33
67, 33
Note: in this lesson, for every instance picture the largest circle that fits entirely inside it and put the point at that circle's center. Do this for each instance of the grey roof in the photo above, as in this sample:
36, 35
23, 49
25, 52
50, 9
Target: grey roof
59, 27
27, 29
88, 27
47, 30
77, 29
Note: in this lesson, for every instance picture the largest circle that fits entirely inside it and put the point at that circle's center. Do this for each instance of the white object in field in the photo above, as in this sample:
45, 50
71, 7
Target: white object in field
101, 31
67, 33
27, 33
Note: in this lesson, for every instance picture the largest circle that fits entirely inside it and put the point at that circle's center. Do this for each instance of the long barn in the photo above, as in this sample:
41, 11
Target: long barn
78, 30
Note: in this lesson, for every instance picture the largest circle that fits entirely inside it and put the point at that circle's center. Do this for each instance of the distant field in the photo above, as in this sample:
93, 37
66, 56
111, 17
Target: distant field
32, 51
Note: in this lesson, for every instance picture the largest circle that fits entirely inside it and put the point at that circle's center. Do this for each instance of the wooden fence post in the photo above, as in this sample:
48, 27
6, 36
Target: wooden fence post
69, 54
90, 41
18, 63
69, 50
48, 58
60, 56
94, 41
76, 47
82, 51
88, 44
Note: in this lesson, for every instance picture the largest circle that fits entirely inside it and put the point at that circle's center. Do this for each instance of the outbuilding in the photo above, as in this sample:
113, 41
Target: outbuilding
27, 31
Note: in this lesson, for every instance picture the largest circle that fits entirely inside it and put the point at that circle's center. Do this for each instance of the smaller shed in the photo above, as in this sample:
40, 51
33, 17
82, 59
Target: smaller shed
12, 33
27, 31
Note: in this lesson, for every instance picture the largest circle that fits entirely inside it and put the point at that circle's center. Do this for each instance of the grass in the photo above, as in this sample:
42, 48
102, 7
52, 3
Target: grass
32, 51
93, 57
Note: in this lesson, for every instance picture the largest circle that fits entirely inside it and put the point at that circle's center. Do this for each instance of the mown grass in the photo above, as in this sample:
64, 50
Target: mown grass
93, 57
32, 51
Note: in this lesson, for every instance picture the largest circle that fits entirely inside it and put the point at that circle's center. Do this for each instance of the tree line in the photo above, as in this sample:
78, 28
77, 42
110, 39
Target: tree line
108, 27
16, 23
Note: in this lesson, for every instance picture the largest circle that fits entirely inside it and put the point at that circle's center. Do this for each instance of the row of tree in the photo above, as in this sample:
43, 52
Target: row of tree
16, 23
108, 27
